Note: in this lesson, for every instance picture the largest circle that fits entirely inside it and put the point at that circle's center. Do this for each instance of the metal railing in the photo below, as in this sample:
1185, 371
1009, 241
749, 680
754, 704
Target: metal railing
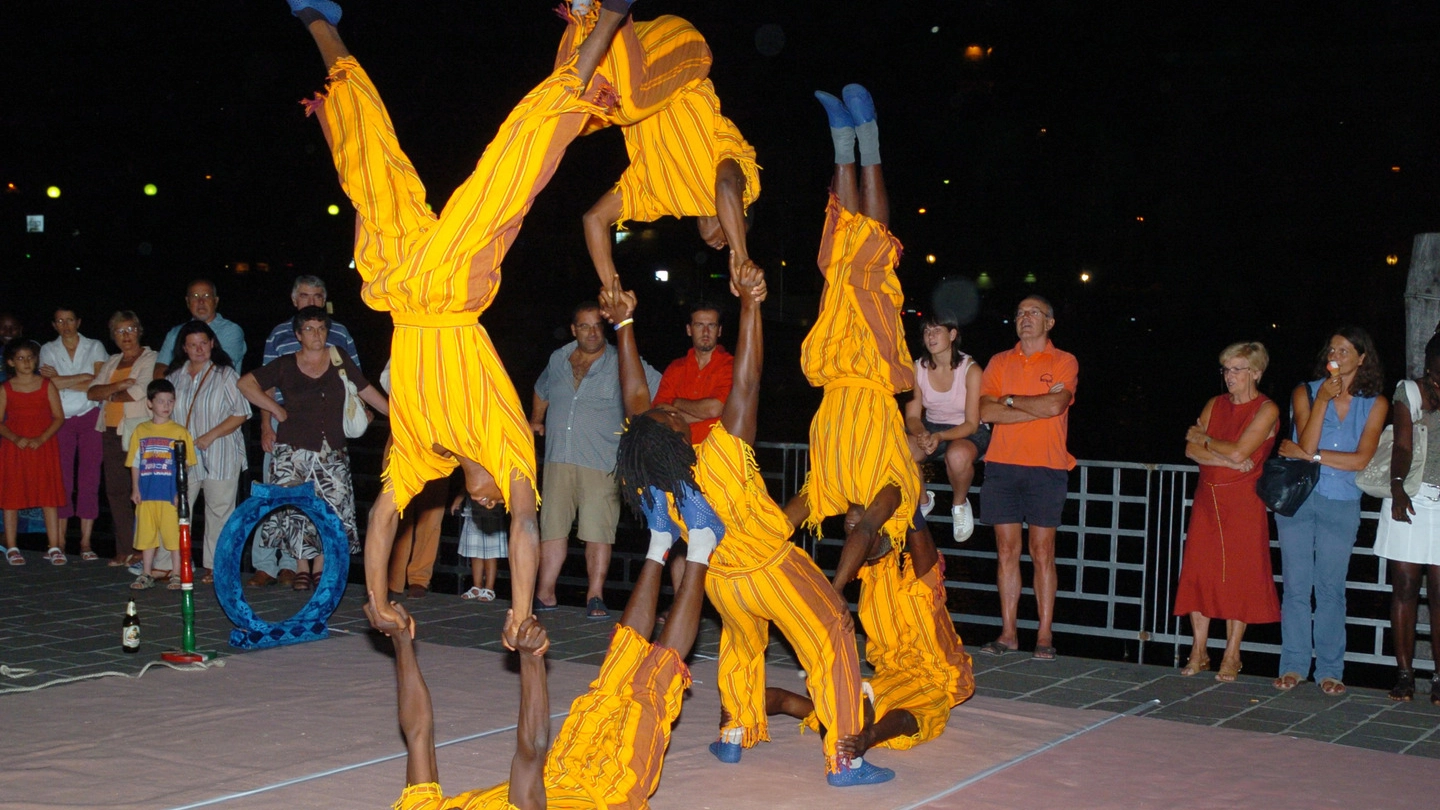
1118, 554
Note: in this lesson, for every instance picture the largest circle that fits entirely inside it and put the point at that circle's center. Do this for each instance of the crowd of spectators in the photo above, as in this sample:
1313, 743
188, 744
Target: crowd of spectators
68, 409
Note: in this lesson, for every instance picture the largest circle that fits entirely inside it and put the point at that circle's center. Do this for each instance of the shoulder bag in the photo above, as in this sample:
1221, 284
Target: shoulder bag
355, 419
1375, 478
1286, 483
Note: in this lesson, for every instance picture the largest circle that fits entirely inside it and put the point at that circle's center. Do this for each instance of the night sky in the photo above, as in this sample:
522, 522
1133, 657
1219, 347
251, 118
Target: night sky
1221, 174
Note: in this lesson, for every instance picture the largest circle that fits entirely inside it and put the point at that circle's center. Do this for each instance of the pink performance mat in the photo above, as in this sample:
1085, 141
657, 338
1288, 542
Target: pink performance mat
313, 726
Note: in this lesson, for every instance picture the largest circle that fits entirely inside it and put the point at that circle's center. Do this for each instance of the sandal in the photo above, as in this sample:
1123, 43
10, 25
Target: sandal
1332, 686
86, 555
595, 609
144, 582
174, 584
486, 595
1228, 673
471, 595
1195, 667
55, 555
208, 578
14, 557
302, 581
1404, 688
1288, 681
995, 648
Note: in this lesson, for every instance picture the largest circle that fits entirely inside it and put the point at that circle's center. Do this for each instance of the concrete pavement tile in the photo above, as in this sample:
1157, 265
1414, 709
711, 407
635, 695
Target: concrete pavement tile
1359, 740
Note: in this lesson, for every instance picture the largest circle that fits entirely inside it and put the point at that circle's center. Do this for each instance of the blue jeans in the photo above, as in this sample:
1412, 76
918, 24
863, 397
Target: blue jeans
1315, 548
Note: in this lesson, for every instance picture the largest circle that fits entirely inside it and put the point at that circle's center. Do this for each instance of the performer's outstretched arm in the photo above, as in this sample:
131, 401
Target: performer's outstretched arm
532, 733
598, 220
748, 280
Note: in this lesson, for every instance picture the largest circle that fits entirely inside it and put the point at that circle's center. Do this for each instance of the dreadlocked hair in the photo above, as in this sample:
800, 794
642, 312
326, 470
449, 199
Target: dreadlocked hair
652, 454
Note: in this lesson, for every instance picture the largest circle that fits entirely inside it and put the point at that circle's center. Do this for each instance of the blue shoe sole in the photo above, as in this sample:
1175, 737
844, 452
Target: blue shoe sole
859, 104
866, 774
326, 8
835, 111
728, 753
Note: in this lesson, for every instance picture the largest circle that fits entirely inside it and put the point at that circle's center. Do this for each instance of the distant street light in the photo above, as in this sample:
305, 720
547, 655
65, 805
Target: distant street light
150, 190
1085, 277
53, 192
333, 210
662, 275
930, 258
1392, 260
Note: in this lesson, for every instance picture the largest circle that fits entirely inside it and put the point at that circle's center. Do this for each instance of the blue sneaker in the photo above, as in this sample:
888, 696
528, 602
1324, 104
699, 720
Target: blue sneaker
835, 110
136, 569
729, 753
859, 103
866, 774
325, 8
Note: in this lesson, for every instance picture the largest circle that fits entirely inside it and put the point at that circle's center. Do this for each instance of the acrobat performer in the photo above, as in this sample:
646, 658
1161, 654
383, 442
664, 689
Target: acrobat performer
686, 159
921, 668
452, 402
611, 748
856, 351
757, 576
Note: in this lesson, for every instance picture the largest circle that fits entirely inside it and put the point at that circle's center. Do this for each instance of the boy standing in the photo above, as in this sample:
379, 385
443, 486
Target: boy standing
152, 481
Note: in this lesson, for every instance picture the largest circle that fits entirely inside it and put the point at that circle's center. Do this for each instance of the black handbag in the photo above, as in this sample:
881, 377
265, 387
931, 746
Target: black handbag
1285, 483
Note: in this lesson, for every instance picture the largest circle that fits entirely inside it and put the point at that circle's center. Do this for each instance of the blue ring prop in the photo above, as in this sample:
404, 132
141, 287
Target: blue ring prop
253, 633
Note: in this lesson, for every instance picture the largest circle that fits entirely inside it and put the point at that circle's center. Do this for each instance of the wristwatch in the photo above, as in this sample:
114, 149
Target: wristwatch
1316, 458
1010, 402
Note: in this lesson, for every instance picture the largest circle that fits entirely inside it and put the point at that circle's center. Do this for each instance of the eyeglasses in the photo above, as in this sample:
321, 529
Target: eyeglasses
1225, 372
201, 296
1033, 312
312, 328
127, 330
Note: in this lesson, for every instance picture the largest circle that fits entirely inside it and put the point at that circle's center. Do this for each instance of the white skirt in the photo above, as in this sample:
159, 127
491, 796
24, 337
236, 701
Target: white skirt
1417, 541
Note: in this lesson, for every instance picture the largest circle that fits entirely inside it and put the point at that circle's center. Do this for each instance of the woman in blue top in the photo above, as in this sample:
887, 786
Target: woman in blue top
1338, 418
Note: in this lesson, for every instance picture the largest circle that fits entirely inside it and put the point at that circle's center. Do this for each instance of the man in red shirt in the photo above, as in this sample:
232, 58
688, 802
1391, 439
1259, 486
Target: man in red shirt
1026, 394
697, 384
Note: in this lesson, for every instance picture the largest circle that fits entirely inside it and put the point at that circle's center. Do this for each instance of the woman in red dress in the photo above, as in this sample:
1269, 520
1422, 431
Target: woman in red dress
30, 416
1226, 572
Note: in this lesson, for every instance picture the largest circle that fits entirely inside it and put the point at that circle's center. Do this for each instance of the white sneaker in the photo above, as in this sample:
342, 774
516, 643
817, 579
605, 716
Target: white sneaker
928, 505
964, 520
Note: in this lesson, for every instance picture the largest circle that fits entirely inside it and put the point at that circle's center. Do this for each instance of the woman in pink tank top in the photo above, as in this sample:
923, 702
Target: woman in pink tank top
943, 417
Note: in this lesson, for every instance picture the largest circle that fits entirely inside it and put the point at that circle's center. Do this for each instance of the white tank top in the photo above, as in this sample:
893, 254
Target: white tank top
943, 407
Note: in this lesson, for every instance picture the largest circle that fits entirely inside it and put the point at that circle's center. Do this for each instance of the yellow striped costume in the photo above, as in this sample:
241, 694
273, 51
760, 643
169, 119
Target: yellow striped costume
436, 274
757, 576
856, 351
610, 750
920, 663
670, 116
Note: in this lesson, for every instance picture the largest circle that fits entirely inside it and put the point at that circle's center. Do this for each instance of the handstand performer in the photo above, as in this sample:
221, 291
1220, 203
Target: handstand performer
757, 575
611, 748
452, 402
921, 668
856, 351
686, 159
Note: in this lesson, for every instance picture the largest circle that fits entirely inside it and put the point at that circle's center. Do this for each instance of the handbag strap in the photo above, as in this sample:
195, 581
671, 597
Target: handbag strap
196, 396
1414, 397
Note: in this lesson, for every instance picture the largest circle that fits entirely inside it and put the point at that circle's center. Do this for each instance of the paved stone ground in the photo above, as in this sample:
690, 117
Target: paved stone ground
64, 622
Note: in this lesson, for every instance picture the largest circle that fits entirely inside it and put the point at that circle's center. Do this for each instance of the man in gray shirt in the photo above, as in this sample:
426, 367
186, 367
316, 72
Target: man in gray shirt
579, 412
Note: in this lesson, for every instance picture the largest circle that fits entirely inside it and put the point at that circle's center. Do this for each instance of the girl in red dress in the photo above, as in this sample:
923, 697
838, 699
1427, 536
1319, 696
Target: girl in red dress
30, 415
1226, 572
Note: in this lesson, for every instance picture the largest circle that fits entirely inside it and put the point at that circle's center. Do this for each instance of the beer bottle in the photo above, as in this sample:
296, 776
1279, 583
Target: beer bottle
130, 630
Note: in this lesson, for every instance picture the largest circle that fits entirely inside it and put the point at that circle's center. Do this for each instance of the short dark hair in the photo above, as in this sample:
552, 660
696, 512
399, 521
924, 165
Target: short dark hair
704, 306
307, 314
157, 387
583, 306
944, 321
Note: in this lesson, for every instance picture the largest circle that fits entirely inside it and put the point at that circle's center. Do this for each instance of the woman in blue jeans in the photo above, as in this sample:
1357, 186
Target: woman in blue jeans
1338, 418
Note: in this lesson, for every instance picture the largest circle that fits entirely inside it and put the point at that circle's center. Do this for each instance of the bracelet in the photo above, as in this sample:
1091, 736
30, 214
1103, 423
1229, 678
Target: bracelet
625, 322
1398, 478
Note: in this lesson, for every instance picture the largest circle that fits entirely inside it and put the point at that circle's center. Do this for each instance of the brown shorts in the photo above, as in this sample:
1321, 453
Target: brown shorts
571, 490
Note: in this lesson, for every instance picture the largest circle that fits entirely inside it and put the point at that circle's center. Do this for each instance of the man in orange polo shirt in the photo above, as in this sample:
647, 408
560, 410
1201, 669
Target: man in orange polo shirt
1026, 394
697, 384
